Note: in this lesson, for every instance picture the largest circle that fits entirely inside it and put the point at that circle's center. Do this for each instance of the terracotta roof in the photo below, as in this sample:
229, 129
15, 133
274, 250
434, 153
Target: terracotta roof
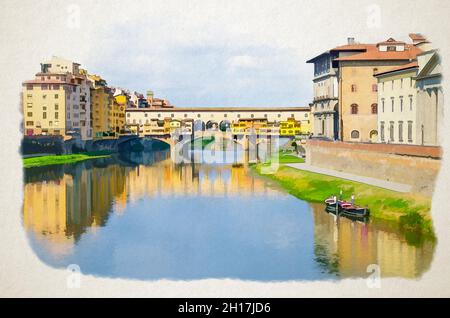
399, 68
390, 41
38, 81
417, 37
373, 54
225, 109
353, 47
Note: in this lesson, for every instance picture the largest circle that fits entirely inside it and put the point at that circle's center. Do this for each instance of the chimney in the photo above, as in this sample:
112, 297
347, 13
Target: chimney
350, 41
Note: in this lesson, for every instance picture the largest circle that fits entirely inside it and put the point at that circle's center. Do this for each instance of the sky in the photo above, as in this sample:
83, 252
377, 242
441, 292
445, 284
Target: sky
200, 53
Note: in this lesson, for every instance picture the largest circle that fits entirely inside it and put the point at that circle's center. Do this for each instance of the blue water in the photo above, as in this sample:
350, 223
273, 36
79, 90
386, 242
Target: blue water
148, 218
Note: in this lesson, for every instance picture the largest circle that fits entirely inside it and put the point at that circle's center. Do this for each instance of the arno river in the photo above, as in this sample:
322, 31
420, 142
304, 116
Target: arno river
142, 216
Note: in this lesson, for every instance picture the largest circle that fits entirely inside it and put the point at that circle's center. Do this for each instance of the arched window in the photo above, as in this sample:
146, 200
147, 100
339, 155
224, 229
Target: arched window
355, 134
354, 109
374, 108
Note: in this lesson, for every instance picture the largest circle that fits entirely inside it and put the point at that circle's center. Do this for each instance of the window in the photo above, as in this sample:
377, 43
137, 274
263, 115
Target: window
198, 115
30, 87
252, 116
56, 115
374, 108
29, 105
391, 131
29, 123
374, 88
383, 86
410, 103
145, 115
225, 115
382, 105
44, 115
392, 104
400, 131
56, 106
50, 123
354, 109
56, 96
391, 48
44, 96
185, 115
29, 95
265, 115
159, 115
410, 124
382, 131
239, 116
279, 115
56, 87
172, 115
353, 88
392, 84
401, 104
44, 107
355, 134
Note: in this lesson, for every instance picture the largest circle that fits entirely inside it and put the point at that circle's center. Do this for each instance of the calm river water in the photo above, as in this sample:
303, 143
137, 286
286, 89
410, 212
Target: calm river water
142, 216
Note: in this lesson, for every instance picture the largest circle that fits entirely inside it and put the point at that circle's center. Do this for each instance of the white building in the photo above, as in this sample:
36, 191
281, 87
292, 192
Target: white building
397, 105
324, 108
430, 98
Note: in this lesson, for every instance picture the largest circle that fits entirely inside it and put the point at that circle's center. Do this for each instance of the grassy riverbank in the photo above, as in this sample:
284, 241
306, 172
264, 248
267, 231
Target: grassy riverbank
62, 159
201, 143
410, 211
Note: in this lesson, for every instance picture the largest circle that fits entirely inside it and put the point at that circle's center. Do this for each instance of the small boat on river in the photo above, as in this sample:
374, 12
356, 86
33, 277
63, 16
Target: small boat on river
333, 204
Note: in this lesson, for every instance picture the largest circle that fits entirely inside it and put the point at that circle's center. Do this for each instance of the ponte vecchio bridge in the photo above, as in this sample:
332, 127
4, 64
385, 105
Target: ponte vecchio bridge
238, 122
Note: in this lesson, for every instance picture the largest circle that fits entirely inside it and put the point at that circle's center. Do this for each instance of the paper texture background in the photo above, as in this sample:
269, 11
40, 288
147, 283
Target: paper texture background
32, 31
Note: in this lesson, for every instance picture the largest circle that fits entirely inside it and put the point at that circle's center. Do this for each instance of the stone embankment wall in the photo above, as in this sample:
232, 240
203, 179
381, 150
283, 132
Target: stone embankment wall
44, 145
414, 165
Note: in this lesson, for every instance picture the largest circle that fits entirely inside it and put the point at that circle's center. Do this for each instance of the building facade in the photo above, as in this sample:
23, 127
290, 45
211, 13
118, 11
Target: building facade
57, 101
101, 99
116, 114
324, 108
44, 103
398, 109
430, 98
358, 88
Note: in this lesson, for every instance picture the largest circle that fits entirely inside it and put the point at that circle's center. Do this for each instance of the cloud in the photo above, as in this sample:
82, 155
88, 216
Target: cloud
244, 61
199, 53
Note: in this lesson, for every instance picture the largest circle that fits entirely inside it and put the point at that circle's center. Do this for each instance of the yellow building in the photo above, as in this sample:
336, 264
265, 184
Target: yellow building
44, 104
101, 99
290, 127
116, 114
358, 88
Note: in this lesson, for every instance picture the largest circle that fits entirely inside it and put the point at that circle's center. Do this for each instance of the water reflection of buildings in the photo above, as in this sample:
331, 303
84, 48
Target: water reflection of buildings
72, 200
60, 210
167, 179
347, 248
82, 196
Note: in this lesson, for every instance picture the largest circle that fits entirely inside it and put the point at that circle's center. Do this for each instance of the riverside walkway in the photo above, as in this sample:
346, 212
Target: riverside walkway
399, 187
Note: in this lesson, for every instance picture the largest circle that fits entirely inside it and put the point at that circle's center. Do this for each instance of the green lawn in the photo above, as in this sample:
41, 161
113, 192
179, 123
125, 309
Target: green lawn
411, 211
201, 143
62, 159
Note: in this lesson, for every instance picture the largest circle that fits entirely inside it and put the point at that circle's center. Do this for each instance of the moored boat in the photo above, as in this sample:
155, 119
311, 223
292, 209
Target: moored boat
344, 207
